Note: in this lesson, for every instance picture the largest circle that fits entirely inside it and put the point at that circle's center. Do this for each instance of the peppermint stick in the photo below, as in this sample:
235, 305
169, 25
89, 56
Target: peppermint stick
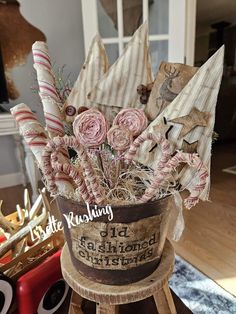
159, 139
92, 182
47, 89
36, 138
31, 130
193, 161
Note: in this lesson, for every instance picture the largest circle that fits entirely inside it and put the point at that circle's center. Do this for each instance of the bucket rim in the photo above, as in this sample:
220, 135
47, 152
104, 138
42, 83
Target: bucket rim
116, 206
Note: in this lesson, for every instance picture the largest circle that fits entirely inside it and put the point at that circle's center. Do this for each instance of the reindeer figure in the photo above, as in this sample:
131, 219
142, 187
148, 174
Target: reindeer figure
166, 95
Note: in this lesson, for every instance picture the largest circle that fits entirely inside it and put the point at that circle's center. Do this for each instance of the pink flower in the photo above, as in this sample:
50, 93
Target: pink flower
90, 128
119, 139
133, 120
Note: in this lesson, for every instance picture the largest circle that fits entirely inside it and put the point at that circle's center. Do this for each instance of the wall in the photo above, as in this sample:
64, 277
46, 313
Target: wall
61, 22
201, 49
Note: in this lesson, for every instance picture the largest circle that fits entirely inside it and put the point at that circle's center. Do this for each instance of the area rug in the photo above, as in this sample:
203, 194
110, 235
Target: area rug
200, 294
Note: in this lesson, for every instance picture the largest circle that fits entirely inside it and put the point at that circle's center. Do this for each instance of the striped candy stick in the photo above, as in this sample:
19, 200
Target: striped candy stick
48, 94
47, 89
158, 139
36, 138
32, 131
193, 161
42, 64
53, 117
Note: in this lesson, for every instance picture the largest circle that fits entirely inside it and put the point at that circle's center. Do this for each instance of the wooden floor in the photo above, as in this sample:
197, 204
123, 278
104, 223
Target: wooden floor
209, 239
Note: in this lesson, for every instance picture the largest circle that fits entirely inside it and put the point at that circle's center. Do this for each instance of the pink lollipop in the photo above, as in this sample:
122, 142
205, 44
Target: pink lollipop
119, 138
90, 128
131, 119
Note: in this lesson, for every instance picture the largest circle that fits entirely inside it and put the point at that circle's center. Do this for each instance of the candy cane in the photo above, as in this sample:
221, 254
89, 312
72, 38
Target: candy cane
48, 92
36, 138
89, 172
193, 161
78, 178
52, 165
159, 139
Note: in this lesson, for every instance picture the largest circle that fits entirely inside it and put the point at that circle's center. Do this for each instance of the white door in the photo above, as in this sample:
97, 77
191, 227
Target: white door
171, 27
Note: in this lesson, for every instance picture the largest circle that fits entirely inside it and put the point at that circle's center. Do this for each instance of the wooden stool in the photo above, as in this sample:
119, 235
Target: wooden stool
109, 297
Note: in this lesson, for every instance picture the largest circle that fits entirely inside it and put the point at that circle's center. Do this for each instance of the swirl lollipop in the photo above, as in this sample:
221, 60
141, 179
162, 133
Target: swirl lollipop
131, 119
119, 138
90, 128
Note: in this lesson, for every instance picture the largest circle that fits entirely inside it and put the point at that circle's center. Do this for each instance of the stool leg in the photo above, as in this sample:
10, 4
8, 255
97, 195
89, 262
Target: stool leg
164, 301
75, 304
107, 309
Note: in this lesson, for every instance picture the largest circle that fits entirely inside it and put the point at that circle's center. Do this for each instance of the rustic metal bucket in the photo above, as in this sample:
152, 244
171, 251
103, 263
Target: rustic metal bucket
121, 245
